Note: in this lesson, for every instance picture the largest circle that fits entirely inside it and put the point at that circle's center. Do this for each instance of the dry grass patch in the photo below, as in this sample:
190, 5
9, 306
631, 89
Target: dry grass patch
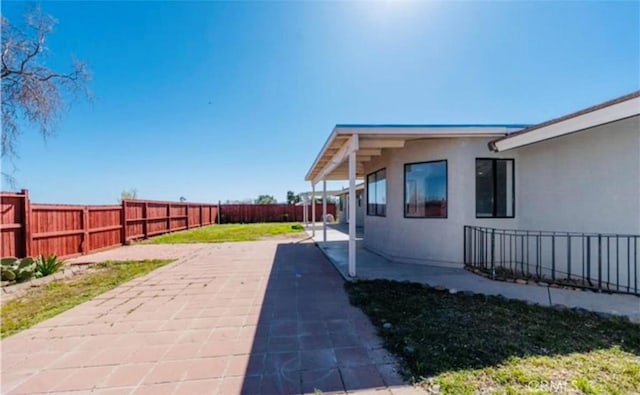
468, 344
51, 299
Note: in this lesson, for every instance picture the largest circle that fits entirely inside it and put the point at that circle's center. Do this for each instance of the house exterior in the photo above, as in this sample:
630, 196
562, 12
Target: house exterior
431, 189
343, 206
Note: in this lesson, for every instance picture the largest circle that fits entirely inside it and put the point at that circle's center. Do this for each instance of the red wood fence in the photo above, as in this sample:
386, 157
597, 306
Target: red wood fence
69, 230
251, 213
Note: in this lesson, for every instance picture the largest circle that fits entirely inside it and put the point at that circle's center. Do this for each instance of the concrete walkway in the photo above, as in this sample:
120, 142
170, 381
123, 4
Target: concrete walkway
266, 317
372, 266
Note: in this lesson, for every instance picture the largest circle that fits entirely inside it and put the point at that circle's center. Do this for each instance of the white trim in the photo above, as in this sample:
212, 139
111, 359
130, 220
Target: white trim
336, 160
321, 153
591, 119
324, 210
352, 205
390, 136
313, 210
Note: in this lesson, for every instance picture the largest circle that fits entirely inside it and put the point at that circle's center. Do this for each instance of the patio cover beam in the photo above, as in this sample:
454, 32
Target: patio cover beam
337, 159
353, 147
324, 210
313, 209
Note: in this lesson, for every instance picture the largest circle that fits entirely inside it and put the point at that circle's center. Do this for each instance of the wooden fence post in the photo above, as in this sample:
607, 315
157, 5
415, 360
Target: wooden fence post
168, 217
218, 213
123, 220
144, 222
26, 221
84, 247
187, 210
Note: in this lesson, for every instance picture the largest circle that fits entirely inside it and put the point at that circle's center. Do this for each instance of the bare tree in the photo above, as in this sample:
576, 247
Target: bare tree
31, 91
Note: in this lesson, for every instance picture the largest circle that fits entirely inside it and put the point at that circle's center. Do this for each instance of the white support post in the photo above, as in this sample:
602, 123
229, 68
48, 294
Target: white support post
304, 212
324, 210
313, 210
352, 205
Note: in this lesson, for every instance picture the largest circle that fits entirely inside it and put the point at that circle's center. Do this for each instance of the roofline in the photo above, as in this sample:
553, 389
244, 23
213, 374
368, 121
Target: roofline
588, 110
432, 125
324, 147
357, 127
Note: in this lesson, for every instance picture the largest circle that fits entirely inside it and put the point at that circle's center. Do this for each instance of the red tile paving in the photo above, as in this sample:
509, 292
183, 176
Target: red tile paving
266, 317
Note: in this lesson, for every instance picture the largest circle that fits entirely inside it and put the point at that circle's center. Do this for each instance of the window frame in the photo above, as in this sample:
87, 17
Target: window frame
446, 189
385, 193
494, 171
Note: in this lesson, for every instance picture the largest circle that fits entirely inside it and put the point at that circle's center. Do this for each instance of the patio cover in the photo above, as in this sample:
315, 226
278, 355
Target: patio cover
350, 146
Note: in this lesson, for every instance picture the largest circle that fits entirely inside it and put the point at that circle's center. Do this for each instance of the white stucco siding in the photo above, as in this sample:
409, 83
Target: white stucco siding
436, 241
583, 182
360, 204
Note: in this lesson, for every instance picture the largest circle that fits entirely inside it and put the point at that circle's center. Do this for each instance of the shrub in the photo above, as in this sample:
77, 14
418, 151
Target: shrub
18, 270
297, 227
48, 265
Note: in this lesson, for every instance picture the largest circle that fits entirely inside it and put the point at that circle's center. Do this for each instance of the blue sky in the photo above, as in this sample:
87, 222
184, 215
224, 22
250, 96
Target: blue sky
229, 100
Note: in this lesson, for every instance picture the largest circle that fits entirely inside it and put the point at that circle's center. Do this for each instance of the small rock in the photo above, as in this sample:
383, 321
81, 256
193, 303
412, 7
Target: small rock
552, 285
453, 291
543, 284
387, 325
521, 281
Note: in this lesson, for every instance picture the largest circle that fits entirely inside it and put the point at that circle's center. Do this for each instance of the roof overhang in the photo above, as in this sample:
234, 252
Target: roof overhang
369, 141
614, 110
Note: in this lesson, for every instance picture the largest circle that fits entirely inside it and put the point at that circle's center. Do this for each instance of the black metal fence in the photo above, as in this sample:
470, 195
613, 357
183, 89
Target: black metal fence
605, 262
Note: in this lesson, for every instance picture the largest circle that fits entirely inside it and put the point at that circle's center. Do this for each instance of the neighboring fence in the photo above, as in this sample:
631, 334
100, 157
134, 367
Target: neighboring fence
68, 230
146, 218
250, 213
605, 262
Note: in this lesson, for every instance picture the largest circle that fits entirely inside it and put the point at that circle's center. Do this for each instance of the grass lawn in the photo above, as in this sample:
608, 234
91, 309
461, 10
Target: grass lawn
467, 344
53, 298
228, 232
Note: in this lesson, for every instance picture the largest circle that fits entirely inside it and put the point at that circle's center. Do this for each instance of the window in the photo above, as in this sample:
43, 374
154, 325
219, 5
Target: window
425, 190
495, 188
377, 193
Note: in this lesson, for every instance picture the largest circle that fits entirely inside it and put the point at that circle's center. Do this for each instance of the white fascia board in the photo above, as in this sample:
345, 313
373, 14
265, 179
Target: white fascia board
338, 158
426, 131
591, 119
326, 145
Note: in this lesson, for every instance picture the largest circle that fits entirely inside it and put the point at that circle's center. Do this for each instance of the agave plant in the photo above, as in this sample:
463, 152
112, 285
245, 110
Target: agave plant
18, 270
47, 265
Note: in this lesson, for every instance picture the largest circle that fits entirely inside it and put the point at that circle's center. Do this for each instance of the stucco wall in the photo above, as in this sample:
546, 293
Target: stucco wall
360, 212
584, 182
429, 240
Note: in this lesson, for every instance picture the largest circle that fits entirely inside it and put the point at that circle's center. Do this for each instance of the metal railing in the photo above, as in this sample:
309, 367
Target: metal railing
603, 262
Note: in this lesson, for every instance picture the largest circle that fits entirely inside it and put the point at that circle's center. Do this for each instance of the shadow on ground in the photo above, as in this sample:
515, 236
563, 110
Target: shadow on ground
309, 337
